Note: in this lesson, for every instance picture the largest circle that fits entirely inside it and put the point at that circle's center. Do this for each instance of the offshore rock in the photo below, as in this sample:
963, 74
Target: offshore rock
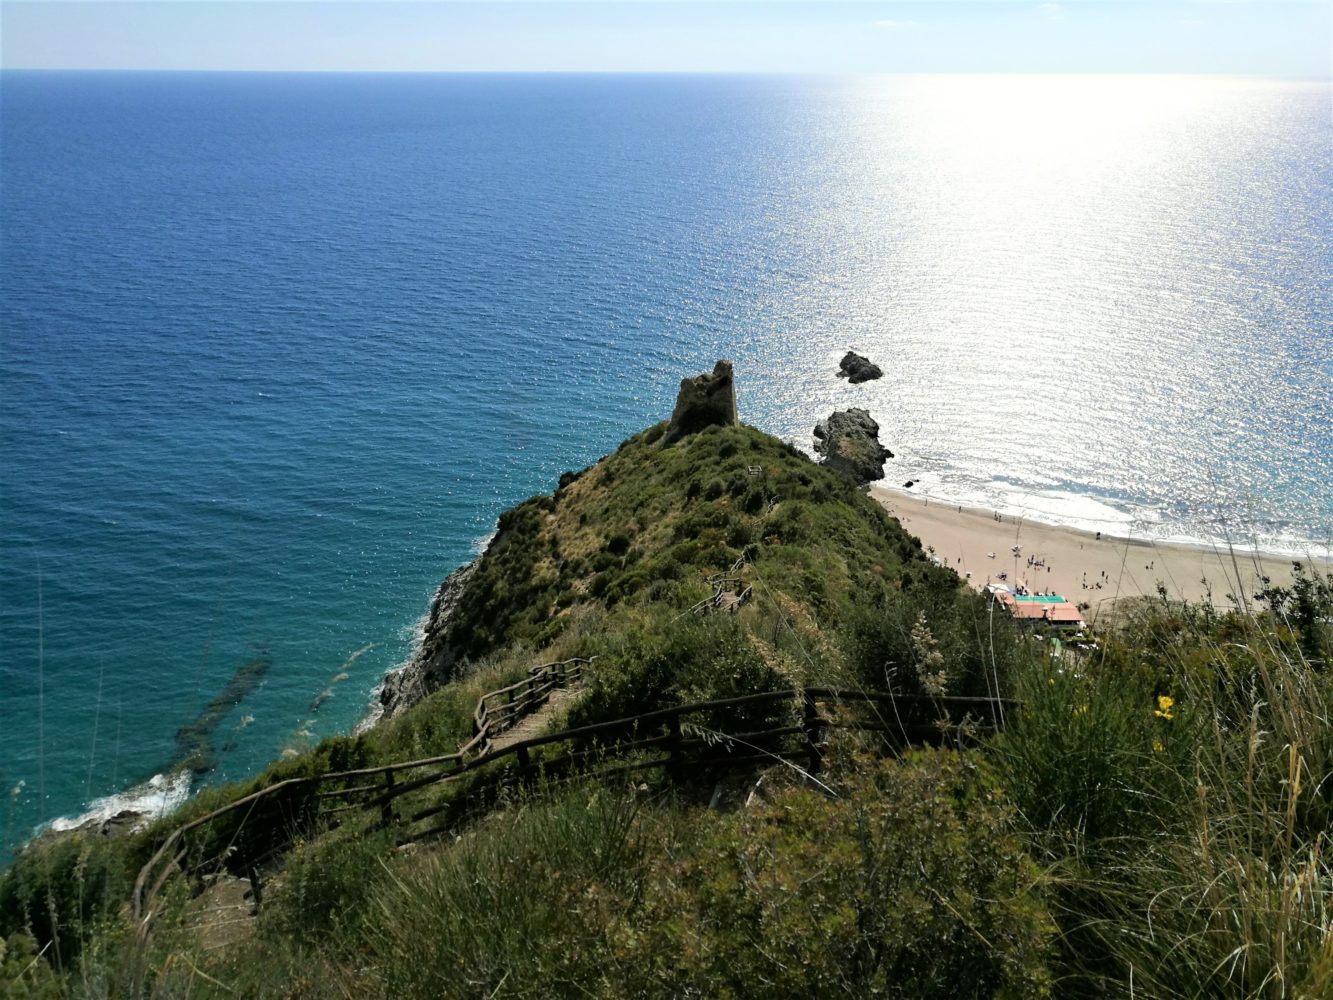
855, 368
849, 443
433, 662
703, 401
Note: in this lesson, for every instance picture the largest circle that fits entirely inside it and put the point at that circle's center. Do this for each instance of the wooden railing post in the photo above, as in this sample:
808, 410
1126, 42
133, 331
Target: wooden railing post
676, 761
813, 730
386, 810
256, 886
524, 763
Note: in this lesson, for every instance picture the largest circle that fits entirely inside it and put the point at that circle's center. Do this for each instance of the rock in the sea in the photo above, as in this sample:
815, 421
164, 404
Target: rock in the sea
703, 401
849, 443
125, 821
855, 368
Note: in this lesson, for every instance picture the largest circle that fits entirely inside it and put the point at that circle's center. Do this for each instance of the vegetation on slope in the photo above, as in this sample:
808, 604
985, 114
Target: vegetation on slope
1152, 822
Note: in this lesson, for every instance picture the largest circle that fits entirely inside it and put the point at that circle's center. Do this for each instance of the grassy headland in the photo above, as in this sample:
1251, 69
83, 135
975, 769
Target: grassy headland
1153, 821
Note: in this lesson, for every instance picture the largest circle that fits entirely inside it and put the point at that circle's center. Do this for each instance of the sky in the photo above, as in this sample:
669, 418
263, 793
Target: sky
1288, 38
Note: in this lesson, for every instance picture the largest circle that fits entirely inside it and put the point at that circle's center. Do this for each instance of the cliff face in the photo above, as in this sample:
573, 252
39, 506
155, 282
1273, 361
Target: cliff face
433, 663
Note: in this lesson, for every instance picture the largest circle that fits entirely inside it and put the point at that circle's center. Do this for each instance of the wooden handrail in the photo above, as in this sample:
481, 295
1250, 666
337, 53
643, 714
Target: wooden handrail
137, 896
911, 725
674, 712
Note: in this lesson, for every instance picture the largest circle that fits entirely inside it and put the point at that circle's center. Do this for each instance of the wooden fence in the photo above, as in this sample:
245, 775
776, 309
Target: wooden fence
289, 799
788, 725
499, 710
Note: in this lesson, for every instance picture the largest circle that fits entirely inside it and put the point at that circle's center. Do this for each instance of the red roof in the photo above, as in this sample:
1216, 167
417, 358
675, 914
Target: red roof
1057, 612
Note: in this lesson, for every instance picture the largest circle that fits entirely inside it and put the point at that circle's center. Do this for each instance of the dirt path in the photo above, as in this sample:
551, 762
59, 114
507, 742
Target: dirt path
531, 725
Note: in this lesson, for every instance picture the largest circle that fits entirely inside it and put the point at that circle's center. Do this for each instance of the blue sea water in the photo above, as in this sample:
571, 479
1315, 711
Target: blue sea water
275, 350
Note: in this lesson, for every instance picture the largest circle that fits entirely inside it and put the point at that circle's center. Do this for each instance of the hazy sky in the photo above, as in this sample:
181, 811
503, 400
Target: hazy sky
1270, 37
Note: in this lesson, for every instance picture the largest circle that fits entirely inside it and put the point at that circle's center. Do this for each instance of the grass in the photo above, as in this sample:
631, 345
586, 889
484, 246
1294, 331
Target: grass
1153, 821
1179, 788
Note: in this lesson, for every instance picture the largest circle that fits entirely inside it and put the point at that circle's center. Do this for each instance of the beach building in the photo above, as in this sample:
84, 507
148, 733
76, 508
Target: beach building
1039, 609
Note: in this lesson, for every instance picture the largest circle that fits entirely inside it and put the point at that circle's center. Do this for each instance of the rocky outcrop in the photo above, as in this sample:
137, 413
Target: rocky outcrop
433, 662
703, 401
848, 442
855, 368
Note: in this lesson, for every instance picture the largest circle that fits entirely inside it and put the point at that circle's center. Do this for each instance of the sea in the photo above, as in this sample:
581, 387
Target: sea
277, 349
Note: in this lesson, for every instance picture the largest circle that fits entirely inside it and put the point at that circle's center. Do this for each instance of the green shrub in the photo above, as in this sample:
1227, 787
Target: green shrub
514, 910
24, 971
326, 887
1076, 755
910, 883
674, 662
980, 649
62, 889
1189, 825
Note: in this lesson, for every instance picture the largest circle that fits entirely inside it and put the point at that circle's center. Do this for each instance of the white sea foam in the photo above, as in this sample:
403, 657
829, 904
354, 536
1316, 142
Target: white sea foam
159, 795
482, 542
415, 636
1112, 517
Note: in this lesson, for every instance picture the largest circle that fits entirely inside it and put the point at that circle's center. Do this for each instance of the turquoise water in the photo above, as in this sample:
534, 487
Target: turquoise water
278, 349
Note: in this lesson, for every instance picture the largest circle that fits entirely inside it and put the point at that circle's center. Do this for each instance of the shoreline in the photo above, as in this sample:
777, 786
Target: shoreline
1083, 566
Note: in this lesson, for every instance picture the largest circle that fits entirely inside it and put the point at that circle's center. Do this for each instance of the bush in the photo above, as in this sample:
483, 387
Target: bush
980, 649
24, 971
910, 883
518, 911
326, 887
688, 660
62, 889
1076, 756
1189, 821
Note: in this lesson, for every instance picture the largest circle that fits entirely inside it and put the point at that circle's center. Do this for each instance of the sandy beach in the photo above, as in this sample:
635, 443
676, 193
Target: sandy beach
1079, 565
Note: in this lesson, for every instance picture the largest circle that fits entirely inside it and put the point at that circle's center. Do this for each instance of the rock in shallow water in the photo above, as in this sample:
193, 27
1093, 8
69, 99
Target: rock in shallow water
849, 443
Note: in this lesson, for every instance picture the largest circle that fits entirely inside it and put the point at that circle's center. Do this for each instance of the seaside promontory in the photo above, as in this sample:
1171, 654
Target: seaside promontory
706, 720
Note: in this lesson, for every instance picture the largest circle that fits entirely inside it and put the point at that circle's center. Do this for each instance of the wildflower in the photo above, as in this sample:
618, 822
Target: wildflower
1081, 710
1164, 705
1157, 746
930, 661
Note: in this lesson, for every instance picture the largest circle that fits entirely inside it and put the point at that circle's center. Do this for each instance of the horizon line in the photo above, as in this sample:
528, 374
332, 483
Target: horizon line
651, 72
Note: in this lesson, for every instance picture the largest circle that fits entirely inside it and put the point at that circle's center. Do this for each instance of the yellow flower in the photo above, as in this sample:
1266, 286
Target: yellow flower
1164, 706
1081, 710
1157, 746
